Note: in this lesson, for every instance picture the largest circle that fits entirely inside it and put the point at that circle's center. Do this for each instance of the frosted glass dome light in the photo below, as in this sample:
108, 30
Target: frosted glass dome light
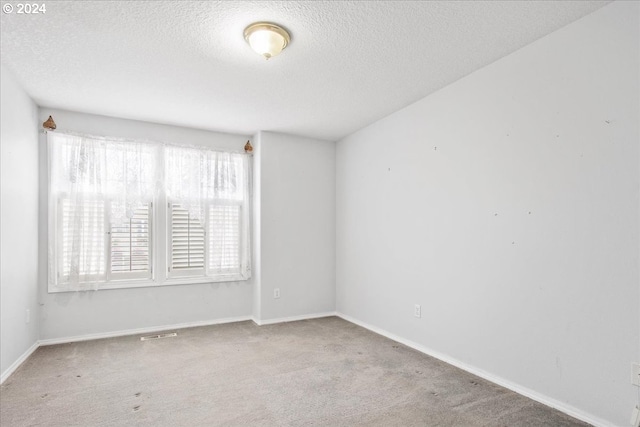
266, 39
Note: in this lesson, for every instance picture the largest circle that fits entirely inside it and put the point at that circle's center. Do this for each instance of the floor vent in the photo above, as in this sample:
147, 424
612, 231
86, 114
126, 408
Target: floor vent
158, 336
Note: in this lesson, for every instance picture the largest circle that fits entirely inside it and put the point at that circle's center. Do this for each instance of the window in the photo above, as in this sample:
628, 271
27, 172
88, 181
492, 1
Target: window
224, 237
82, 240
105, 227
96, 249
187, 243
209, 215
130, 246
213, 250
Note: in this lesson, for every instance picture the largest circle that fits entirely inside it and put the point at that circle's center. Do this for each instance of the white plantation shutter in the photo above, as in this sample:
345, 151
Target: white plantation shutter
94, 183
224, 229
210, 235
187, 242
82, 240
101, 215
131, 244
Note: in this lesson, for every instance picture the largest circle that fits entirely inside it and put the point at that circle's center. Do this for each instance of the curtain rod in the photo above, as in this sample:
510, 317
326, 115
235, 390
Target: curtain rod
248, 148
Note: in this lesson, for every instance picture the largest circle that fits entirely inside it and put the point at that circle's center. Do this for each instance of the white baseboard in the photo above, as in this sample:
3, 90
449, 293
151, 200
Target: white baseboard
127, 332
15, 365
294, 318
531, 394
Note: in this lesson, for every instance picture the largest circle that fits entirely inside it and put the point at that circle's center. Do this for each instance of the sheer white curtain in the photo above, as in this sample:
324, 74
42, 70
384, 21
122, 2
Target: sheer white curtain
214, 187
93, 183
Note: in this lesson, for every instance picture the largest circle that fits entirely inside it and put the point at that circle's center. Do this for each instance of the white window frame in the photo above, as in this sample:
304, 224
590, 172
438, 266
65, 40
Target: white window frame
111, 279
120, 276
203, 273
159, 249
63, 281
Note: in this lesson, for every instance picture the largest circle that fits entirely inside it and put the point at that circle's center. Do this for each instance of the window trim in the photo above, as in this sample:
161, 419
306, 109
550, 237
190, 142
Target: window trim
109, 277
205, 274
159, 236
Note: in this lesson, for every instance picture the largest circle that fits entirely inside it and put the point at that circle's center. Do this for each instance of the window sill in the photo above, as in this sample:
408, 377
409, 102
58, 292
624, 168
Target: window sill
152, 283
200, 280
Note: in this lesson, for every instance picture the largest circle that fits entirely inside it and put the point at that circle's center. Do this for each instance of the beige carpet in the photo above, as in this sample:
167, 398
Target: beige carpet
325, 372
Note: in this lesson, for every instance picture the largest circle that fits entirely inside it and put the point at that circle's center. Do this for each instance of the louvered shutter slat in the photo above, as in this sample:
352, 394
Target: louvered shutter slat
83, 246
187, 240
224, 239
130, 243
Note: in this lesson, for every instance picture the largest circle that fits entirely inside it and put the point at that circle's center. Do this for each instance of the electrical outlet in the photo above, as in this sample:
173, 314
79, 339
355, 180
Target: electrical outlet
276, 293
635, 374
27, 318
417, 310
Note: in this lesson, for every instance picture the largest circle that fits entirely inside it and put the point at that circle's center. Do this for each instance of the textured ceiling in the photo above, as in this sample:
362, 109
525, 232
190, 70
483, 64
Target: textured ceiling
186, 63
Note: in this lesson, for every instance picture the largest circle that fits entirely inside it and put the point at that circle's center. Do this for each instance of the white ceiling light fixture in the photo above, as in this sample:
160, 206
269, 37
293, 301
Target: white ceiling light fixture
266, 38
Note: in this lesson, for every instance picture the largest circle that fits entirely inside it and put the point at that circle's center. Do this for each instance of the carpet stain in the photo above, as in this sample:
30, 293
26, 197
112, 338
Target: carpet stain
291, 374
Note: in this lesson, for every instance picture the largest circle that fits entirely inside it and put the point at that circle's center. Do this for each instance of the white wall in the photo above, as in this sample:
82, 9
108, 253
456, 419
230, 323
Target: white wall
297, 225
507, 206
18, 221
294, 240
81, 313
